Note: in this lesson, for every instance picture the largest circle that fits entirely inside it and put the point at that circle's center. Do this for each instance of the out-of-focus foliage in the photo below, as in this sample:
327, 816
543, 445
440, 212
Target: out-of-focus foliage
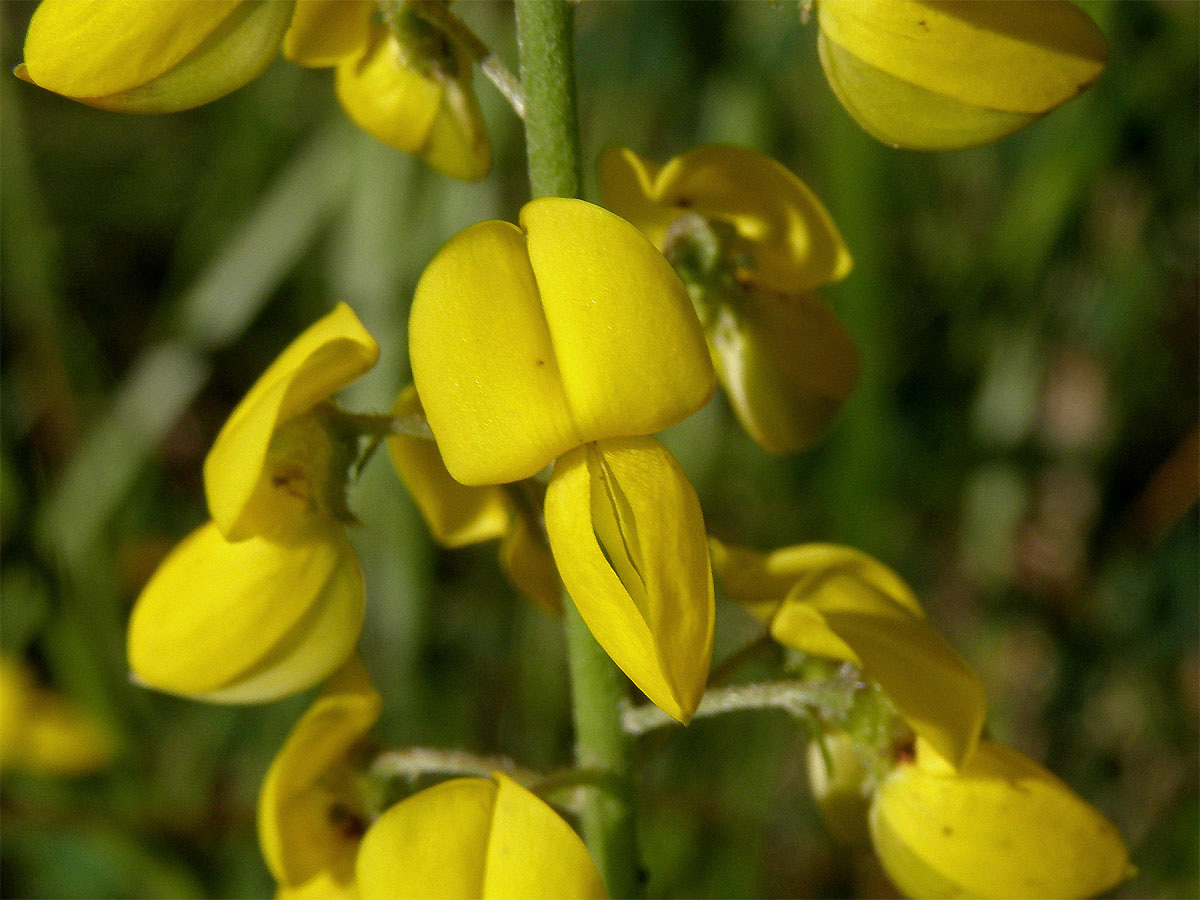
1021, 448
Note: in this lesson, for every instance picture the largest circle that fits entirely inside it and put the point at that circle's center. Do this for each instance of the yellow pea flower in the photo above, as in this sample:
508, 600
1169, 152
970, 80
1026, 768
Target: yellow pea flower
571, 338
837, 602
475, 838
944, 75
458, 514
267, 598
42, 732
998, 826
785, 361
311, 817
409, 85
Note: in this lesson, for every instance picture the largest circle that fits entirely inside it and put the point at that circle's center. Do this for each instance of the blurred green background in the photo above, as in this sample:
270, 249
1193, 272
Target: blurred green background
1022, 447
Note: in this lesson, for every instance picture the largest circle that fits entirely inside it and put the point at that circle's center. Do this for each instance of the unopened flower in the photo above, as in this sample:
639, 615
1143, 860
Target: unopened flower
569, 340
940, 76
836, 602
266, 599
752, 244
43, 732
407, 83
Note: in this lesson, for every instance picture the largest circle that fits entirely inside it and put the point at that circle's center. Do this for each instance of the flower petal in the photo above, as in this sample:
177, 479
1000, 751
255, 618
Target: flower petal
1001, 826
483, 362
323, 32
250, 621
84, 48
233, 53
631, 353
456, 514
946, 75
1023, 56
933, 689
903, 115
628, 537
787, 365
529, 566
475, 838
329, 355
43, 732
308, 783
434, 116
751, 578
787, 231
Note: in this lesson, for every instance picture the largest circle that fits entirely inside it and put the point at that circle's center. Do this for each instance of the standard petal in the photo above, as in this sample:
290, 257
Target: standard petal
629, 187
785, 230
456, 514
1001, 826
1021, 56
475, 838
933, 689
250, 621
483, 361
763, 580
529, 566
85, 48
308, 812
787, 365
324, 32
628, 345
628, 537
329, 355
903, 115
237, 51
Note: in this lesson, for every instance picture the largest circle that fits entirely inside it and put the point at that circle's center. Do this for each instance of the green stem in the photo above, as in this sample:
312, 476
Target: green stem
546, 45
545, 42
598, 690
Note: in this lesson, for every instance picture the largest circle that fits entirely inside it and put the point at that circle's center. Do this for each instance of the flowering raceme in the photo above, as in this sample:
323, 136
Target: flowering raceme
407, 83
464, 838
267, 598
569, 340
752, 243
944, 75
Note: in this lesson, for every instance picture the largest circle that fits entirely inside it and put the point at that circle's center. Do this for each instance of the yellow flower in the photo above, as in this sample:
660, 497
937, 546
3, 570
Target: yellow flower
458, 514
468, 837
836, 602
939, 76
998, 826
753, 243
475, 838
311, 814
44, 733
155, 56
571, 339
267, 598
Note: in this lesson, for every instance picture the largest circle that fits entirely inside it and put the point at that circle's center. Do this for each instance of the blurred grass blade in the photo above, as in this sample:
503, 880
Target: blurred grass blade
161, 383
